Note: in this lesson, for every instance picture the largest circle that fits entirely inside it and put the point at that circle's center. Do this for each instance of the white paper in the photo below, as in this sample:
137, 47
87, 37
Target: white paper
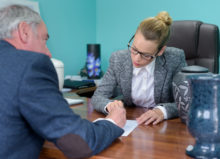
71, 101
129, 127
65, 90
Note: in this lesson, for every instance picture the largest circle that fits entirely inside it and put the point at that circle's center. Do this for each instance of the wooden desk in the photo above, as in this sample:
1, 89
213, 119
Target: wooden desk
167, 140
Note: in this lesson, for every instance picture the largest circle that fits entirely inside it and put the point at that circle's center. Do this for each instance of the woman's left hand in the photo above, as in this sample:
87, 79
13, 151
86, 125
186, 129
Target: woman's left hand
153, 116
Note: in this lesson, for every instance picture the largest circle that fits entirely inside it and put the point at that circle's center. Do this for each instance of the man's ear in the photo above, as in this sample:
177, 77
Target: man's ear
162, 51
24, 32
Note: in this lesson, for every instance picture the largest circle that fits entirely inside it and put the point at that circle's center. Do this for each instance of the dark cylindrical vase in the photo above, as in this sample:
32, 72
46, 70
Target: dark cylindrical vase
204, 117
93, 61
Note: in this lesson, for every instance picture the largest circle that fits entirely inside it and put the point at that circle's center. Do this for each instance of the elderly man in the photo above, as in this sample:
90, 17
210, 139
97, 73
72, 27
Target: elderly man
32, 107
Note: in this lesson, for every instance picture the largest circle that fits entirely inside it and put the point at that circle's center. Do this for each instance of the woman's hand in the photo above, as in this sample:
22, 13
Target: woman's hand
153, 116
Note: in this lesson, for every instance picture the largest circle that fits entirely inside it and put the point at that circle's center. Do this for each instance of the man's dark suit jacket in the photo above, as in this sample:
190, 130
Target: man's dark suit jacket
33, 109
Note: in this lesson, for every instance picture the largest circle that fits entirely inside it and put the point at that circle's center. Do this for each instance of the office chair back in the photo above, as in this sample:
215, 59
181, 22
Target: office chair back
199, 40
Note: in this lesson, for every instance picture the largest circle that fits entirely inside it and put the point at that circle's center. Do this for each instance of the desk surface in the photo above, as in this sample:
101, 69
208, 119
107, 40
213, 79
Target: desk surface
167, 140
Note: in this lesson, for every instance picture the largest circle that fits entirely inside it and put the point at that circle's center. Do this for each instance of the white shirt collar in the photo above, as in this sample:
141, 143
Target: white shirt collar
149, 68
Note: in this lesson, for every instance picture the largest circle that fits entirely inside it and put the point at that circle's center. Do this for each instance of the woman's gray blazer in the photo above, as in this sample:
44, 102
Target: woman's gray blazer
119, 75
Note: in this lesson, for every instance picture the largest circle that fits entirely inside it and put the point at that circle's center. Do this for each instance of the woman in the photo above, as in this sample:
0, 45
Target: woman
143, 73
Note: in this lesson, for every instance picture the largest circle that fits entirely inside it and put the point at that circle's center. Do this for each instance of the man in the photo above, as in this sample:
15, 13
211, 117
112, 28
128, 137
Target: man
32, 107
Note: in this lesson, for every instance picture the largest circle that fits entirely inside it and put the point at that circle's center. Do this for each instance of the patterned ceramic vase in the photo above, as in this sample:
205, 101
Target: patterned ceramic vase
181, 89
204, 117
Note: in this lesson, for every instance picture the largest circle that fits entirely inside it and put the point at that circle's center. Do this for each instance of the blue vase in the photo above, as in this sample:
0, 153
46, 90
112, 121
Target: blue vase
204, 117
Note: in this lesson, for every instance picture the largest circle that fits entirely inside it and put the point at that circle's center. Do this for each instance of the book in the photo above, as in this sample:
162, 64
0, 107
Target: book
75, 84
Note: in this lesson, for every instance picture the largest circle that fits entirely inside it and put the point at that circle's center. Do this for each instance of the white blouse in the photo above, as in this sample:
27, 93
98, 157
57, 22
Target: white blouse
142, 91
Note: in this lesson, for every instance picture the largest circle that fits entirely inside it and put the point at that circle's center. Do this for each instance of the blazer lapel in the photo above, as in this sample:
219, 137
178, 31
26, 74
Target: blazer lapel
160, 74
126, 79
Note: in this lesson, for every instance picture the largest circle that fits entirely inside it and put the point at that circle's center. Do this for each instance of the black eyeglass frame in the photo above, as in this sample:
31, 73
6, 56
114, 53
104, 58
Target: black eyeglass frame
143, 55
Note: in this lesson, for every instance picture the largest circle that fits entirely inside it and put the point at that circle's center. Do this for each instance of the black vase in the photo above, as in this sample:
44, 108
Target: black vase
93, 61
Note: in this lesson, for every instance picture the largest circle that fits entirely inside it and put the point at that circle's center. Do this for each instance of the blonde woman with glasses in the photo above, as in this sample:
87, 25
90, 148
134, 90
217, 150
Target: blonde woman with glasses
143, 73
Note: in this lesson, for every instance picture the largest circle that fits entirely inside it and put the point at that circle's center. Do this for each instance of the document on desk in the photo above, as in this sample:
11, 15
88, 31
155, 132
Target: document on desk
129, 127
71, 101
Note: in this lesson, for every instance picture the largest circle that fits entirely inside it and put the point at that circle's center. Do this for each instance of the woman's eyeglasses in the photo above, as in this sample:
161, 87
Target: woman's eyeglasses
135, 51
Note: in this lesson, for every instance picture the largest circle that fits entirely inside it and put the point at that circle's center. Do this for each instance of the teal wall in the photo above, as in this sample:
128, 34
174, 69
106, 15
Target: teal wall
117, 20
74, 23
71, 25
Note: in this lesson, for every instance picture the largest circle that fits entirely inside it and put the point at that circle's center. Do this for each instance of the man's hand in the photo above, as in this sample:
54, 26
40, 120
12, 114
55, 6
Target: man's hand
118, 115
151, 116
114, 104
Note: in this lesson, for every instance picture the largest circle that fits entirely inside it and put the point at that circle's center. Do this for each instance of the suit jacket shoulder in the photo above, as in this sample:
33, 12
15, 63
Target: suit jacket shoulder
120, 60
173, 56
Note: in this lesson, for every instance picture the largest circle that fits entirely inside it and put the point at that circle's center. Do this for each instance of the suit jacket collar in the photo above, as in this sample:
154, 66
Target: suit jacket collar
127, 73
160, 74
4, 43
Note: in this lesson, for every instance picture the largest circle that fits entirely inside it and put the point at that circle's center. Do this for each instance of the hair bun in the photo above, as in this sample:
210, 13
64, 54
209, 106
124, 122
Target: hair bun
165, 17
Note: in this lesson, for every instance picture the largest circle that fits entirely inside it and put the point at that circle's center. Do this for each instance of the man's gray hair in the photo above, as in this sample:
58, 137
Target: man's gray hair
11, 16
